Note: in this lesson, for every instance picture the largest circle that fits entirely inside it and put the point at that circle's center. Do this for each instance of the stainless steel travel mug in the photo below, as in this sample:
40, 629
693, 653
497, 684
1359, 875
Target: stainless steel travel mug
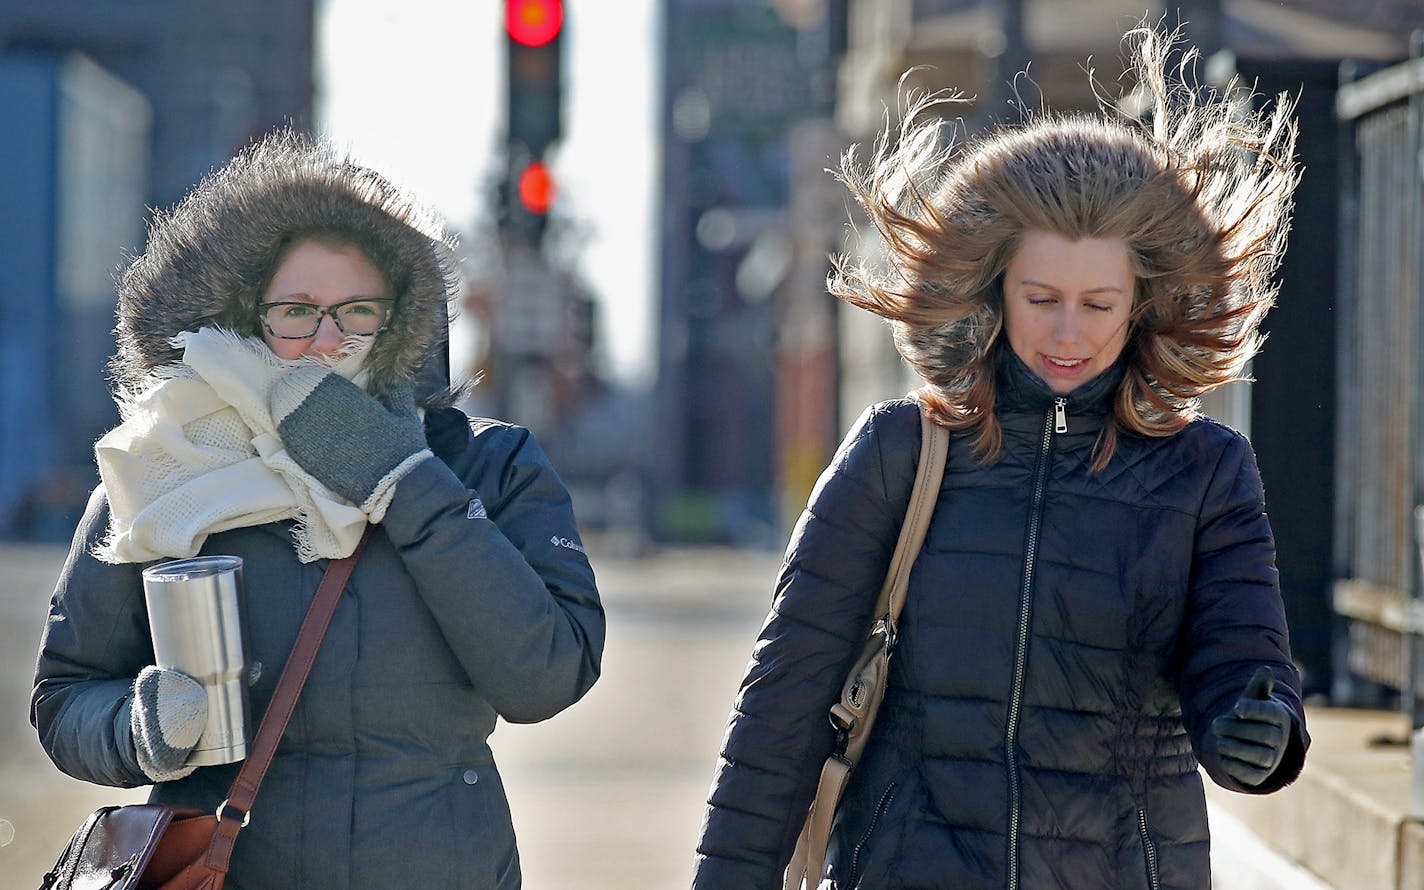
193, 615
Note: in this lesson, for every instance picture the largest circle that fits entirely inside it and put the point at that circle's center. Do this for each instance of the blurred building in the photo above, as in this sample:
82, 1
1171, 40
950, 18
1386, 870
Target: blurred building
740, 76
539, 368
108, 109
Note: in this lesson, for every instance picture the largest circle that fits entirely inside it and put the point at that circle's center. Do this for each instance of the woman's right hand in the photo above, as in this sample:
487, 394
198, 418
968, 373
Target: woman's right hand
168, 714
347, 439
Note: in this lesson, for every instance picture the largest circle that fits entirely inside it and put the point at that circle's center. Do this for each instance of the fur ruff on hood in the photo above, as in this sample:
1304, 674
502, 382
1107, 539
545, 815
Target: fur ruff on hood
209, 259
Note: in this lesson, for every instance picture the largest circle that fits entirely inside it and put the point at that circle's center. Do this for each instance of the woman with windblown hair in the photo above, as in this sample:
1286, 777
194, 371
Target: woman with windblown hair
271, 341
1095, 610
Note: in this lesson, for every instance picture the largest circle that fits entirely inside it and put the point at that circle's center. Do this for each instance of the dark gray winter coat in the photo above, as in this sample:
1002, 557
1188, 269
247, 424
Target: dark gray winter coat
473, 600
1067, 639
384, 777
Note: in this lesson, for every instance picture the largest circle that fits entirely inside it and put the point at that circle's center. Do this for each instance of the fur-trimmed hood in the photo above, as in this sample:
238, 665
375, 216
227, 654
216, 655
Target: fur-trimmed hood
209, 259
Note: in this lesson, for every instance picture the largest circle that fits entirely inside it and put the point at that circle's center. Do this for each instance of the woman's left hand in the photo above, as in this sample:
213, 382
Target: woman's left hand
346, 438
1252, 738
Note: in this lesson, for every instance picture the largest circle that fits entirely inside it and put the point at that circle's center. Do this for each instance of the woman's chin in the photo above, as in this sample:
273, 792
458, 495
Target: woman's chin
1063, 380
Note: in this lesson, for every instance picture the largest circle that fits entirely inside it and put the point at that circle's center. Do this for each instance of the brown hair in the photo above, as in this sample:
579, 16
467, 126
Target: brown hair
1200, 194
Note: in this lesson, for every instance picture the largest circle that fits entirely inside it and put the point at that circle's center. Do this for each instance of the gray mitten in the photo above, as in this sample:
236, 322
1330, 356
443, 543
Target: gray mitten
169, 711
346, 438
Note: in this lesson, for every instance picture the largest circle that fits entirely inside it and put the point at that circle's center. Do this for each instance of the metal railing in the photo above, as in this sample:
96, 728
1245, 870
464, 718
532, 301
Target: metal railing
1380, 448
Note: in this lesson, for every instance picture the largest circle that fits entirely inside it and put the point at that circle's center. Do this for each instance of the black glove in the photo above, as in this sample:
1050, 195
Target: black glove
1252, 738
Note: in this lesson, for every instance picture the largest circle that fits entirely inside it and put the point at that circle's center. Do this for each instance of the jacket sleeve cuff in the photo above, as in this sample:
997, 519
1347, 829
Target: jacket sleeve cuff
124, 745
427, 488
381, 496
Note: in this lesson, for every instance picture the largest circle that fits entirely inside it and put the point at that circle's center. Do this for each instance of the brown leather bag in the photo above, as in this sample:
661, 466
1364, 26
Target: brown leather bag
165, 847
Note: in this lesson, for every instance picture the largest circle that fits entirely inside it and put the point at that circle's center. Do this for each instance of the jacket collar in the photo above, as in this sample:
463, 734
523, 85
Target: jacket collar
1021, 392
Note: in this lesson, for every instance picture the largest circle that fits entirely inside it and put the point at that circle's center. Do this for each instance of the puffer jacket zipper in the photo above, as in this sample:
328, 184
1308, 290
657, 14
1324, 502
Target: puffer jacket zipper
1056, 421
1149, 849
884, 802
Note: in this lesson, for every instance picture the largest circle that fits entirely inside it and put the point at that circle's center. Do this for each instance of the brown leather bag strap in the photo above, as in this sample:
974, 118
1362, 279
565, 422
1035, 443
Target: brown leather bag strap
238, 806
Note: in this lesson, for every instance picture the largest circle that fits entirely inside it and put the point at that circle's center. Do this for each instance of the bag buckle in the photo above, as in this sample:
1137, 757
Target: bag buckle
246, 817
886, 625
844, 724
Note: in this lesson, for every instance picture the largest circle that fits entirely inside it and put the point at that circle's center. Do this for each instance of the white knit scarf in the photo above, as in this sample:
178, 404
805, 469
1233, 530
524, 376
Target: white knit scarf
198, 453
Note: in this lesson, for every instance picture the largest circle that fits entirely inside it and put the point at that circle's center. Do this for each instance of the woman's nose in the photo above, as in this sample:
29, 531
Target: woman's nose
1066, 329
328, 337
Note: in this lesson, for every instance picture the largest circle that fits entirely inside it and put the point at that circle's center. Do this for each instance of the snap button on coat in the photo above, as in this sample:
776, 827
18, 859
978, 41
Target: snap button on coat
470, 777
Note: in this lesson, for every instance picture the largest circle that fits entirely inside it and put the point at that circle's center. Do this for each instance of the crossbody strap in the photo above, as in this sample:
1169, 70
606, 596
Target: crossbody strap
854, 713
234, 812
929, 474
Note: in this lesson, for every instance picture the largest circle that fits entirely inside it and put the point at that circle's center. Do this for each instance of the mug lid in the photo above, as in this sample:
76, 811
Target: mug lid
193, 567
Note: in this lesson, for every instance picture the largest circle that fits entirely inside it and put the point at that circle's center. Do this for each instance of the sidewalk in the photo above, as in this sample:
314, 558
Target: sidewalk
609, 795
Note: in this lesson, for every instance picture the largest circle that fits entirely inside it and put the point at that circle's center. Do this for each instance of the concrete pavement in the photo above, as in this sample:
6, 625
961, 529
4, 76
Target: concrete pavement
609, 794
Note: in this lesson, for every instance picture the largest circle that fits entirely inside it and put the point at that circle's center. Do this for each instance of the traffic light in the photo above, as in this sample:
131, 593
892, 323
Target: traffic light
526, 195
535, 188
535, 31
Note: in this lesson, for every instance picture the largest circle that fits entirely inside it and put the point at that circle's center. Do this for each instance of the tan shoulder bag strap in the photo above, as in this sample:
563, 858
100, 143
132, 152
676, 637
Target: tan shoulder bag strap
864, 687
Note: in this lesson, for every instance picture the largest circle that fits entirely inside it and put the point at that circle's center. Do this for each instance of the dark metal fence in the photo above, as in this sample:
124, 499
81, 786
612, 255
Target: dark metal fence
1380, 432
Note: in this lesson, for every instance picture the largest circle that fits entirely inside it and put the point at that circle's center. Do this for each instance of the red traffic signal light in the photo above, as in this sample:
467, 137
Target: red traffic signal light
536, 188
533, 54
533, 22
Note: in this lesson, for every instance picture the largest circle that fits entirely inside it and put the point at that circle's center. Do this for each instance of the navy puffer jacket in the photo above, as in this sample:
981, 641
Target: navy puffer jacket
1067, 640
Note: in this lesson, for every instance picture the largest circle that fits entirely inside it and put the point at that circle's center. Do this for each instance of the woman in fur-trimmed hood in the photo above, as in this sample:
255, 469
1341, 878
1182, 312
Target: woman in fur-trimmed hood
208, 260
270, 337
1094, 612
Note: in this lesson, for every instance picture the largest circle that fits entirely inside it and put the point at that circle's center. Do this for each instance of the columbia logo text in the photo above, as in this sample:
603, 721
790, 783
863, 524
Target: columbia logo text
566, 543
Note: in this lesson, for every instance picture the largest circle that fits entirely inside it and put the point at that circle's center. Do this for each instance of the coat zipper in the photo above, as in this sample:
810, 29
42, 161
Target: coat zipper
1150, 849
880, 807
1056, 421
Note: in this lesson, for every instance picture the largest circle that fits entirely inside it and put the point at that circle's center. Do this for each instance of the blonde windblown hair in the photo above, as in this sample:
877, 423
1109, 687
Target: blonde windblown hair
1199, 189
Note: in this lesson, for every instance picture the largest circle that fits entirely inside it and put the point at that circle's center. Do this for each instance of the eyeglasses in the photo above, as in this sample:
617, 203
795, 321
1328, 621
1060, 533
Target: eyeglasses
288, 320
